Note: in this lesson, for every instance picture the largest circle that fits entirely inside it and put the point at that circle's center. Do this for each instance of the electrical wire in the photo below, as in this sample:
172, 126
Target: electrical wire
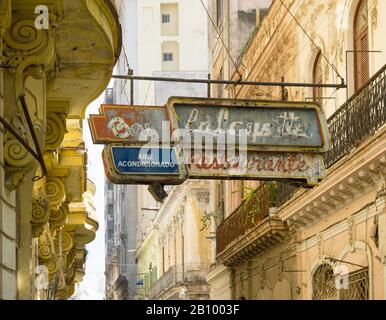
313, 42
147, 93
290, 64
221, 38
305, 44
128, 69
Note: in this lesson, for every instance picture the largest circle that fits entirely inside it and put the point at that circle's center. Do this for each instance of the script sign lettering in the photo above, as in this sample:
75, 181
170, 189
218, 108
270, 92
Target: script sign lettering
267, 126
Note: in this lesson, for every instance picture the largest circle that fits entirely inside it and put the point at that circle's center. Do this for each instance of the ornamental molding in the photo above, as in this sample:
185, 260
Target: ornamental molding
374, 14
358, 174
55, 130
352, 221
5, 15
56, 192
58, 217
31, 51
45, 246
40, 214
18, 161
64, 240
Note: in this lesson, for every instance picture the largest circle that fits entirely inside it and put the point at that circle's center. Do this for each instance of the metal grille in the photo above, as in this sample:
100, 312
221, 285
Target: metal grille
358, 286
358, 118
249, 214
323, 284
188, 274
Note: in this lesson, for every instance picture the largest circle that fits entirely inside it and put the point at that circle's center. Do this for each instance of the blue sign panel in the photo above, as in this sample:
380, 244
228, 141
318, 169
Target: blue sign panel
145, 160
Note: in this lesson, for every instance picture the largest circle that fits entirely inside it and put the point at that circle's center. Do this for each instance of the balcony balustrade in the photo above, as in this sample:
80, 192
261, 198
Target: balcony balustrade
179, 275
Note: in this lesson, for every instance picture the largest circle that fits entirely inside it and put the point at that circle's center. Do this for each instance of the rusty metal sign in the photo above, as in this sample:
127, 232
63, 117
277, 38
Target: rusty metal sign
201, 138
127, 124
261, 125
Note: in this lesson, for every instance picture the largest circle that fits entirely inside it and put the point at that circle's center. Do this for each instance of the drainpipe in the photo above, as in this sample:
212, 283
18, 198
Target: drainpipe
183, 252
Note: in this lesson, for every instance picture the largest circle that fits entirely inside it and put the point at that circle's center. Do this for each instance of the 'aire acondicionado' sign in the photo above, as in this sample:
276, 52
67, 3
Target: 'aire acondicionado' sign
201, 138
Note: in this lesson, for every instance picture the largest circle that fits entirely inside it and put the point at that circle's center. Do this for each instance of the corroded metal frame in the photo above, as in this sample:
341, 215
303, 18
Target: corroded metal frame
233, 103
167, 179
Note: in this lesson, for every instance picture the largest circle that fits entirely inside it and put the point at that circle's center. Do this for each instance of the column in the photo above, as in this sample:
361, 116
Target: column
7, 198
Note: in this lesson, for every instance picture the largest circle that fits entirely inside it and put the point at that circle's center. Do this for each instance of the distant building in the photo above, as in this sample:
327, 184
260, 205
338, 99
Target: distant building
166, 34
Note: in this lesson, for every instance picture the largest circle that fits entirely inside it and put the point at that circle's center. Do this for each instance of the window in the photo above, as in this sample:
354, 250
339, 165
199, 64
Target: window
168, 56
323, 284
169, 19
166, 18
358, 285
361, 45
317, 78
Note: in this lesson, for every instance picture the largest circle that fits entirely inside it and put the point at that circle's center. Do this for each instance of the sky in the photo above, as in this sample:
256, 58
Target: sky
93, 285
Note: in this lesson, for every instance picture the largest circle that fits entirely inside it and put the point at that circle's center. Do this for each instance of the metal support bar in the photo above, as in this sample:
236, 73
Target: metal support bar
283, 90
6, 66
33, 134
233, 82
319, 98
19, 138
347, 262
132, 92
209, 86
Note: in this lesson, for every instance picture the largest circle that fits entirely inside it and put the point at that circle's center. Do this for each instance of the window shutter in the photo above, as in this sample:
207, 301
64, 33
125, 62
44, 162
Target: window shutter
361, 44
365, 58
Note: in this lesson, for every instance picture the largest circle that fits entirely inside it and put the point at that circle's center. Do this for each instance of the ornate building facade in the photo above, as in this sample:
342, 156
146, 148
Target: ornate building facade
55, 59
327, 242
175, 254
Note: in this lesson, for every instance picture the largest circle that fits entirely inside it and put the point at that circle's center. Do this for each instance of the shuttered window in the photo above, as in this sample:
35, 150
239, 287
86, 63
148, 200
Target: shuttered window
361, 45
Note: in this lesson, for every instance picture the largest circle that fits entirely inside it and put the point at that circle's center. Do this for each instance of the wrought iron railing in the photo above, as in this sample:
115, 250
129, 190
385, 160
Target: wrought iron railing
253, 210
360, 117
179, 275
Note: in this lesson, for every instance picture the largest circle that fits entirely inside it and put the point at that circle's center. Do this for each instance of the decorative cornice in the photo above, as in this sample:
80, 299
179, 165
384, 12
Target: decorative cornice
350, 178
345, 225
264, 236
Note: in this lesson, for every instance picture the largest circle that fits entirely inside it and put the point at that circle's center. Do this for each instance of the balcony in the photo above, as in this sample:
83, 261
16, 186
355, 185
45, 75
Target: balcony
358, 119
251, 221
190, 277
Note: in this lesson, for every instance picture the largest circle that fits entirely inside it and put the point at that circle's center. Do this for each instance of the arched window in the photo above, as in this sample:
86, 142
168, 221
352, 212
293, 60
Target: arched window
355, 287
323, 283
317, 78
361, 44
